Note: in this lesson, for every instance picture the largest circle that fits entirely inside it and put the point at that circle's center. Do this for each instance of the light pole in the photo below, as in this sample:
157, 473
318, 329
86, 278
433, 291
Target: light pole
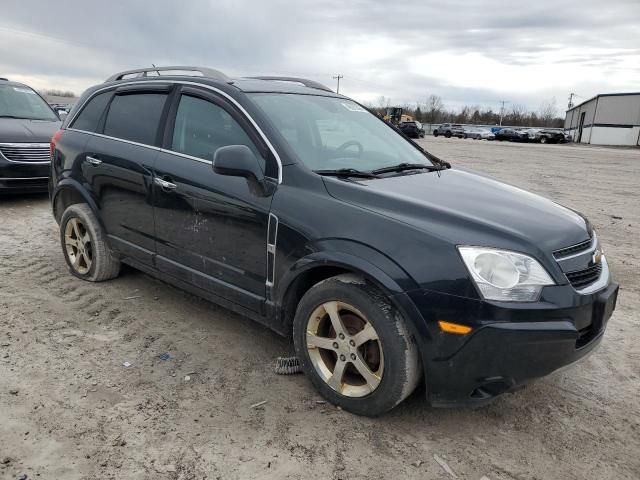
338, 77
502, 110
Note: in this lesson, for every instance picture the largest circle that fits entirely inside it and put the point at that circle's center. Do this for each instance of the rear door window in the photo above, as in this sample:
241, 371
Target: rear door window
135, 117
90, 115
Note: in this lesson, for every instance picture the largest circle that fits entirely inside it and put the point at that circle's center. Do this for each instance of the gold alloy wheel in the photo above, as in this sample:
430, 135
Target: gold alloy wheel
345, 349
77, 242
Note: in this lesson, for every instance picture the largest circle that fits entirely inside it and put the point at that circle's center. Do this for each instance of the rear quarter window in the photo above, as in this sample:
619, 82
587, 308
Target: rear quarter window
135, 117
90, 115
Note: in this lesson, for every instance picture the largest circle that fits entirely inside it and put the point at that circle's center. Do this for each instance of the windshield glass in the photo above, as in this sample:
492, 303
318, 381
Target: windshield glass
17, 101
329, 133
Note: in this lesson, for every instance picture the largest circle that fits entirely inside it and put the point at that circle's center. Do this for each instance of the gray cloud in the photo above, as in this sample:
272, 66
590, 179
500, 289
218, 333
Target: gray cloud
373, 43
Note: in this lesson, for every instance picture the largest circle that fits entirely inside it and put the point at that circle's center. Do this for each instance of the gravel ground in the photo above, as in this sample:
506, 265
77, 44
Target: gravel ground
70, 409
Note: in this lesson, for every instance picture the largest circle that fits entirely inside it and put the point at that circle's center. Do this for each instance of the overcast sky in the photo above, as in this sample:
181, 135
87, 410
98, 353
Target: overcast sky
474, 52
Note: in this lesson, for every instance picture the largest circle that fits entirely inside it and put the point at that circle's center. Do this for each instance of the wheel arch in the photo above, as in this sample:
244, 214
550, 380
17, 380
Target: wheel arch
69, 192
312, 269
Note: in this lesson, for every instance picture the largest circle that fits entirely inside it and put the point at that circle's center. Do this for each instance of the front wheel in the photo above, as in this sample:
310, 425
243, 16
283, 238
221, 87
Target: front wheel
84, 245
435, 133
355, 346
447, 134
543, 140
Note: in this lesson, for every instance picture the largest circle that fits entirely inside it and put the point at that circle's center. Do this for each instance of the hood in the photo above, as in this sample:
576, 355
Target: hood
464, 207
16, 130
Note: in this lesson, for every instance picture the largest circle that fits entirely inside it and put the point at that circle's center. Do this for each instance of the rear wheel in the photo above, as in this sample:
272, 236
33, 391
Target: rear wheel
354, 346
84, 245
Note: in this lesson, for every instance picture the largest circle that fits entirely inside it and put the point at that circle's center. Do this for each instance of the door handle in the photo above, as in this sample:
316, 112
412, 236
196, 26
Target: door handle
164, 184
93, 160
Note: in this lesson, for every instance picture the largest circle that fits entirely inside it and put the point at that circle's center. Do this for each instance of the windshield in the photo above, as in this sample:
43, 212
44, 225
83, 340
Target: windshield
21, 102
328, 133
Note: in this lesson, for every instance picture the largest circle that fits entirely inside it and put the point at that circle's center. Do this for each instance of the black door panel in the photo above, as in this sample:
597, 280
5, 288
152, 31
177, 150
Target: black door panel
120, 176
211, 229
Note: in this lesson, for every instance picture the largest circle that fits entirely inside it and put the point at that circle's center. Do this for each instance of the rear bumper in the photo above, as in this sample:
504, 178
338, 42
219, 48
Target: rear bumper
501, 356
23, 177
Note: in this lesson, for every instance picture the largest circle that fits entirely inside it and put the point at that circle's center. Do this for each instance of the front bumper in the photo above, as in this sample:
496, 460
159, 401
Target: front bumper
21, 177
510, 344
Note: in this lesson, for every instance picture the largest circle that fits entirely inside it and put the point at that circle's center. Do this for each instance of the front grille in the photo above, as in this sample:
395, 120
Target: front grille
580, 247
582, 278
27, 152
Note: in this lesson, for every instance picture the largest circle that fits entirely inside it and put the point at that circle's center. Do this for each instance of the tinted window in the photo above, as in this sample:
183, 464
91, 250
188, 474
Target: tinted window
202, 127
90, 115
135, 117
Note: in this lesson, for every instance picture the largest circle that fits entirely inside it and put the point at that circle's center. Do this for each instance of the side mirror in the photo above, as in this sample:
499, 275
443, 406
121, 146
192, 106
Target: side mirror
240, 161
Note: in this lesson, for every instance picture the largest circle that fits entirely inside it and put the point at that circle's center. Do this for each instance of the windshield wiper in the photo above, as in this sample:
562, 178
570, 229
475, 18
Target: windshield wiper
438, 161
346, 172
406, 166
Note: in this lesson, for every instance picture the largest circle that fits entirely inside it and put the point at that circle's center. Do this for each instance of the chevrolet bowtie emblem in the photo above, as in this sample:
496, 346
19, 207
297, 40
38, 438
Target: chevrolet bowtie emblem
597, 257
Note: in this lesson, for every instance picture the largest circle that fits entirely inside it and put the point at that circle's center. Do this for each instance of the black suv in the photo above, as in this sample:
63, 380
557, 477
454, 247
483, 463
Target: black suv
412, 129
512, 135
295, 206
551, 135
27, 124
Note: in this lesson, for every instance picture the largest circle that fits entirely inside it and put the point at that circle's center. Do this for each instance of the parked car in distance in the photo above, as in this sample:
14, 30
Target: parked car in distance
61, 110
27, 124
412, 129
551, 135
479, 134
295, 206
512, 135
449, 130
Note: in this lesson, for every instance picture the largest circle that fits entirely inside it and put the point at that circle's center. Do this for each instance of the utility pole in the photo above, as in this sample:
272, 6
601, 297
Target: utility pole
502, 110
338, 77
571, 95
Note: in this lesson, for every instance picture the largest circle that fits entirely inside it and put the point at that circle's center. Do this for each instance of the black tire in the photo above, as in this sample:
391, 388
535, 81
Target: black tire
104, 265
435, 133
447, 134
465, 136
543, 140
402, 369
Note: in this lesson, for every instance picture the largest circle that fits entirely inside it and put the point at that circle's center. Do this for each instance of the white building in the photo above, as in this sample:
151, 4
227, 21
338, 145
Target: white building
606, 119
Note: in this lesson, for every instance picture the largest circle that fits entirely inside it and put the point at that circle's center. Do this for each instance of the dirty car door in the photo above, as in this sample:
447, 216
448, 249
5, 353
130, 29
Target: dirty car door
211, 229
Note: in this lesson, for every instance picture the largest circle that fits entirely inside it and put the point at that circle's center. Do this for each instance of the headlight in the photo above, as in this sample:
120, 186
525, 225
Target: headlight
504, 275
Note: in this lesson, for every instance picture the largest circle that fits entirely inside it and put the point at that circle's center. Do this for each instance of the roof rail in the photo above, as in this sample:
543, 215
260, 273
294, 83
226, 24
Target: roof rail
143, 72
303, 81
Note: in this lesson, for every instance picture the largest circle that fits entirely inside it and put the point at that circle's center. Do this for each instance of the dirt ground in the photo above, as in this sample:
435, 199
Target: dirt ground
70, 409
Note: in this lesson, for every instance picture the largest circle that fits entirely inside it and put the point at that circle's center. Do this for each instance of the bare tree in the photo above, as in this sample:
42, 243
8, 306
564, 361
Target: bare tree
383, 102
548, 111
58, 93
434, 112
433, 109
464, 115
517, 114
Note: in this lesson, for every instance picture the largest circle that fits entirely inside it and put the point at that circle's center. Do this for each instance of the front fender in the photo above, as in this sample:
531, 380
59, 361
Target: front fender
360, 259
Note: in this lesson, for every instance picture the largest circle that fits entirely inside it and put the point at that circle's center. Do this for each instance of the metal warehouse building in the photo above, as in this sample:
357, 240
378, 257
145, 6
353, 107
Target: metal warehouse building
606, 119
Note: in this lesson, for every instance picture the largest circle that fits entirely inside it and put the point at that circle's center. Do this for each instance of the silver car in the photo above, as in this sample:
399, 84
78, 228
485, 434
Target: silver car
479, 134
